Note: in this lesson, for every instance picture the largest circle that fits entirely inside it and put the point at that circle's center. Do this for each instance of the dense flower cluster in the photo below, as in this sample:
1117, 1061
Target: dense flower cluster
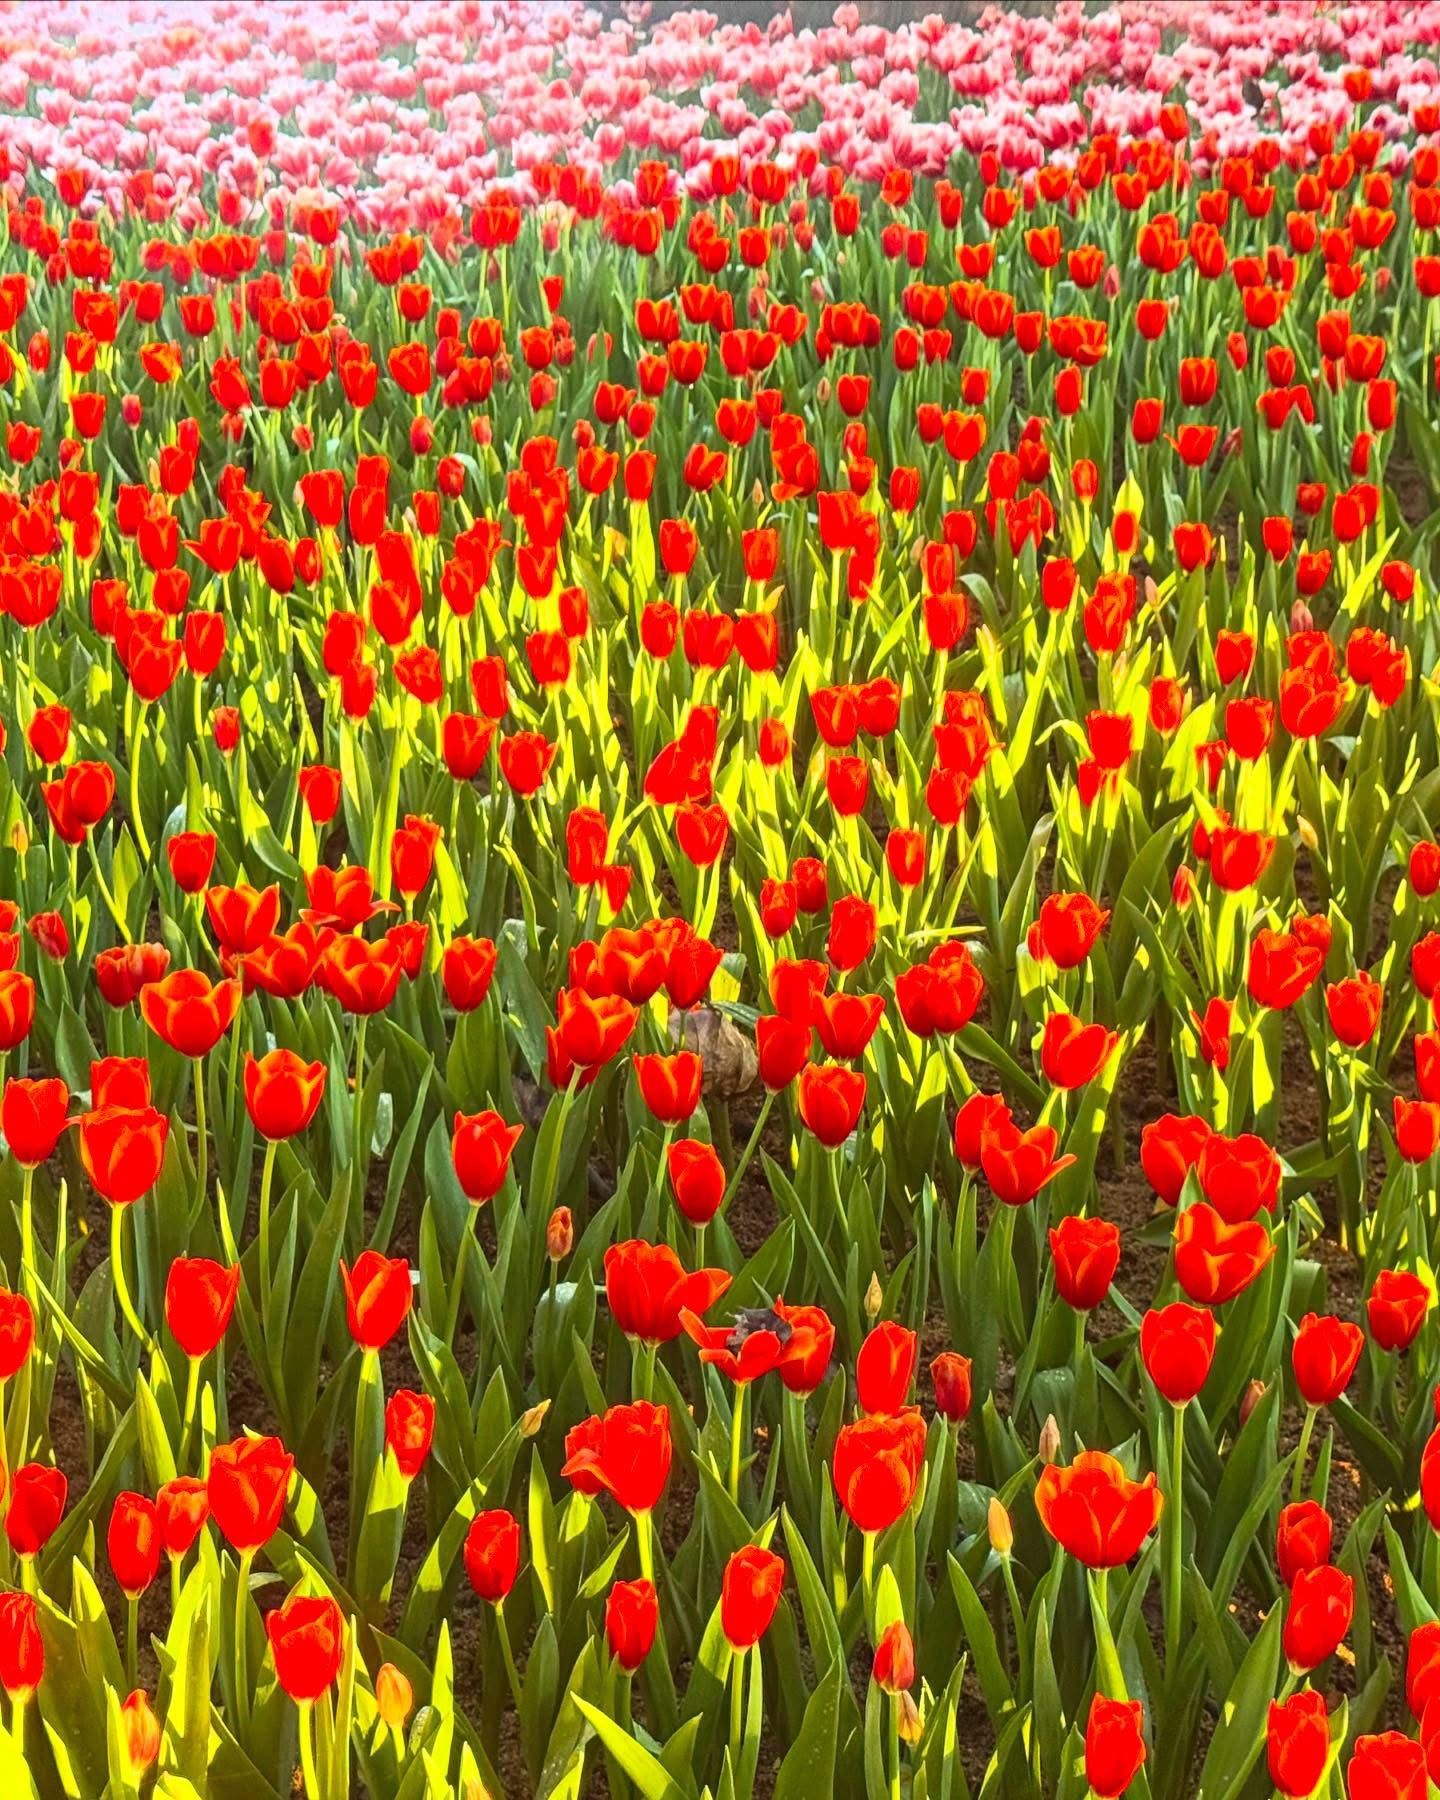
686, 707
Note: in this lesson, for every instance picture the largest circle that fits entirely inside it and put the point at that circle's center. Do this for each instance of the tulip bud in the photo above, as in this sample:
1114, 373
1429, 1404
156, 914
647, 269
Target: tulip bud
140, 1731
560, 1234
1048, 1448
909, 1723
394, 1696
1002, 1532
1301, 617
533, 1418
894, 1665
874, 1299
1308, 836
1250, 1399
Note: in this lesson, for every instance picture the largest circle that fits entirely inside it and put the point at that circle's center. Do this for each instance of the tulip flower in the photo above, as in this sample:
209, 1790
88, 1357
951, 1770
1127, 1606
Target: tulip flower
307, 1642
1297, 1743
1092, 1509
1114, 1745
632, 1615
1317, 1616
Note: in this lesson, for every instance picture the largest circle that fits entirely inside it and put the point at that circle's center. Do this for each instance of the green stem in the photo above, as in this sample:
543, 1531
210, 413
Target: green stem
117, 1270
307, 1751
737, 1707
202, 1136
267, 1177
512, 1674
192, 1394
457, 1290
644, 1543
867, 1571
1174, 1567
27, 1233
895, 1747
1302, 1456
132, 1638
242, 1645
137, 740
737, 1430
751, 1146
359, 1112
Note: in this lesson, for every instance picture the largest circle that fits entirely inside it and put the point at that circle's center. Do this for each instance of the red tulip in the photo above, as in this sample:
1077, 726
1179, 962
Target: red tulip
37, 1502
32, 1116
181, 1508
1093, 1510
1324, 1356
1114, 1745
1317, 1616
670, 1085
246, 1486
625, 1452
1396, 1308
282, 1092
1303, 1539
307, 1641
492, 1554
188, 1012
1177, 1346
647, 1288
749, 1595
1297, 1743
22, 1649
697, 1179
199, 1299
885, 1368
17, 1334
1086, 1254
378, 1295
1073, 1053
893, 1668
480, 1150
876, 1467
950, 1378
632, 1616
1215, 1260
122, 1150
831, 1097
133, 1543
409, 1430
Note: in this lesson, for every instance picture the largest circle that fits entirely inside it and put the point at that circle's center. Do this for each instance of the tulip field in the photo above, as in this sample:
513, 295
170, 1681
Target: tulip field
719, 902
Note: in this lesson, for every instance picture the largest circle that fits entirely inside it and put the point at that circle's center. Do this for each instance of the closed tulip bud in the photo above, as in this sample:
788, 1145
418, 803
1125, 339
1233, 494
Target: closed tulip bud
950, 1377
139, 1732
632, 1615
1324, 1356
133, 1543
1114, 1745
409, 1430
533, 1418
1317, 1616
307, 1641
749, 1594
874, 1298
492, 1554
894, 1665
1297, 1743
909, 1723
394, 1696
22, 1650
999, 1527
1250, 1399
1048, 1448
559, 1234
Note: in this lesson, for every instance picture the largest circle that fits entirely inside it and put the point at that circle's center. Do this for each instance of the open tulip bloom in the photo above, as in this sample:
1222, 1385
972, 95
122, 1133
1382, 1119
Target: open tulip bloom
720, 902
